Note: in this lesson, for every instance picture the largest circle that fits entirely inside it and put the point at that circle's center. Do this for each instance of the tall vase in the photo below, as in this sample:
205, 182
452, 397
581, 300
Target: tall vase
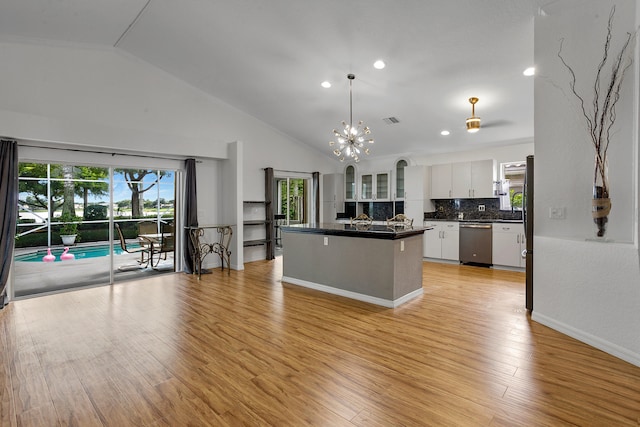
601, 203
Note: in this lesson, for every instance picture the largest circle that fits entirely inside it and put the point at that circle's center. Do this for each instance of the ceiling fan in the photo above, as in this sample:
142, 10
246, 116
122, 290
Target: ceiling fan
473, 122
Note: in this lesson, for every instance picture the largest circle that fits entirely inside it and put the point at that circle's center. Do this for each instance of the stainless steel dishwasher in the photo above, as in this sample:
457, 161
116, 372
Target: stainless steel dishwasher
476, 243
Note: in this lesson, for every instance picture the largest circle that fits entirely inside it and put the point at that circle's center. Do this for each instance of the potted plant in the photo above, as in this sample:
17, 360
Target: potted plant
69, 229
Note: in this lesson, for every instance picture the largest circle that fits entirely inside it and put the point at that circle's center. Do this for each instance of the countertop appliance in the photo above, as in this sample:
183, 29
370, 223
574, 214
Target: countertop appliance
476, 242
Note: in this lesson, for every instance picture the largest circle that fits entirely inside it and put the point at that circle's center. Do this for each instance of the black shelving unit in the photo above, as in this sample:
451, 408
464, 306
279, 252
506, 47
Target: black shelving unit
266, 223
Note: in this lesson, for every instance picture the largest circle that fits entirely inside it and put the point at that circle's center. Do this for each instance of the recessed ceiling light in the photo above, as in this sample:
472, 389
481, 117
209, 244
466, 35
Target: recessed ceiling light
325, 85
445, 133
379, 64
529, 71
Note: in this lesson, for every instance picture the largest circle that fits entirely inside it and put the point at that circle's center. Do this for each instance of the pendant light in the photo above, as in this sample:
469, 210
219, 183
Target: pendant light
350, 141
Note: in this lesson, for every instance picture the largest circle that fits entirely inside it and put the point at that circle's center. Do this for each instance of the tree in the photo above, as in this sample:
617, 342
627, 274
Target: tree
134, 179
35, 191
68, 205
91, 183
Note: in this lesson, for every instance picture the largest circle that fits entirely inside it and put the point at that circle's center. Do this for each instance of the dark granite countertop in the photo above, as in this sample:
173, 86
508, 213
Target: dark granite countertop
366, 231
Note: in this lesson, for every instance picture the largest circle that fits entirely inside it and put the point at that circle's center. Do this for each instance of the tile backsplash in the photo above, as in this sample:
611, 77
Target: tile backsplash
444, 209
470, 209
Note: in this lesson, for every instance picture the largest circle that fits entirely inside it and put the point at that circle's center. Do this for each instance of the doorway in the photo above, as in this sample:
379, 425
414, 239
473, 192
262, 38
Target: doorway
293, 201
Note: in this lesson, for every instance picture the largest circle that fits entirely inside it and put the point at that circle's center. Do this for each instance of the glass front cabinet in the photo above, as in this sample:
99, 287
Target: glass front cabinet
375, 186
350, 193
400, 189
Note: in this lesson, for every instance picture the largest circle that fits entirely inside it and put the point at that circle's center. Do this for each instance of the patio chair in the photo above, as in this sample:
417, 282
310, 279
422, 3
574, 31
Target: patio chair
146, 247
167, 243
146, 227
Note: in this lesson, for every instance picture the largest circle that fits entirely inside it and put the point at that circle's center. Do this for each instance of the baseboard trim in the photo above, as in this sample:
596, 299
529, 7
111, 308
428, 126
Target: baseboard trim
594, 341
354, 295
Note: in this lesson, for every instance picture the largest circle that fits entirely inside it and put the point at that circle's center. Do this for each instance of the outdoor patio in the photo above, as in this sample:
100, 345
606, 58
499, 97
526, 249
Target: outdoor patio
35, 278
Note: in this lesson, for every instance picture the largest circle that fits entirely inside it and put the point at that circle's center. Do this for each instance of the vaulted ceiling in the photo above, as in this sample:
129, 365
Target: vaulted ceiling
268, 59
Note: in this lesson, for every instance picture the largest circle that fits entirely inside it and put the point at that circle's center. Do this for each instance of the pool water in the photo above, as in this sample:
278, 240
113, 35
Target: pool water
81, 252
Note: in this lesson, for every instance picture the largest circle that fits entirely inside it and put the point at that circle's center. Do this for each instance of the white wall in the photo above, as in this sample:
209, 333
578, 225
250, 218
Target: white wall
589, 290
97, 97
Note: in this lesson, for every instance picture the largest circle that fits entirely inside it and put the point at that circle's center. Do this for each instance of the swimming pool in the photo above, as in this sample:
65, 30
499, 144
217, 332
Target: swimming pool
80, 252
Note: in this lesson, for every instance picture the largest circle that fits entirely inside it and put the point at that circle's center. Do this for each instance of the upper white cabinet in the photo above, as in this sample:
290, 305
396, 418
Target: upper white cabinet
350, 190
441, 181
417, 182
375, 186
417, 199
400, 180
473, 179
332, 196
463, 180
333, 188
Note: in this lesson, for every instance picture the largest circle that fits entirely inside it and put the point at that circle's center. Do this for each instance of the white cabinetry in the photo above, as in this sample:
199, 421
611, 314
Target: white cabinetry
350, 190
508, 244
442, 242
441, 181
399, 189
417, 194
463, 180
375, 186
473, 179
332, 196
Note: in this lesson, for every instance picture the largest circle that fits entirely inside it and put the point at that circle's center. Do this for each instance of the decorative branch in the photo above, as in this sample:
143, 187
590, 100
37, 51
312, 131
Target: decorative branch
602, 116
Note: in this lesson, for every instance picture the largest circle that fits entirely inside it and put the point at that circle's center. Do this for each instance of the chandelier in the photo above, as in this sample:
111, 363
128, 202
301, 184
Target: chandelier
351, 139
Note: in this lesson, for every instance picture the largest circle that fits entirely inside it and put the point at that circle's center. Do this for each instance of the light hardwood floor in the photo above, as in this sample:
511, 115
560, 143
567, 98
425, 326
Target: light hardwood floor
246, 349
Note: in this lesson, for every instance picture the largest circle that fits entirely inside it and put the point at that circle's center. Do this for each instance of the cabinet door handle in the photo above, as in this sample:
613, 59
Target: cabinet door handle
469, 192
518, 239
449, 193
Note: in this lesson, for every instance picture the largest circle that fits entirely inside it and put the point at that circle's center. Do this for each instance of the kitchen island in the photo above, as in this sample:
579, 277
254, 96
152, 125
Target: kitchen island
373, 263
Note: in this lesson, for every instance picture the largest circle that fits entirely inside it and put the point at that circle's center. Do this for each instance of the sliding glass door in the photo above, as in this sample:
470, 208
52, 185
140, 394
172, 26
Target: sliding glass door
67, 214
292, 200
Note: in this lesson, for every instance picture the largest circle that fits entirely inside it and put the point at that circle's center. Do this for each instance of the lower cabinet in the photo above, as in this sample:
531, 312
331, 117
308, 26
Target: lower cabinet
508, 244
442, 242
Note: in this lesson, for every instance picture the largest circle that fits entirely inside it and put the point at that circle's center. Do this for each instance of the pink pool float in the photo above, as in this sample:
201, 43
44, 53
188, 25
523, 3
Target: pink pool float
48, 257
66, 256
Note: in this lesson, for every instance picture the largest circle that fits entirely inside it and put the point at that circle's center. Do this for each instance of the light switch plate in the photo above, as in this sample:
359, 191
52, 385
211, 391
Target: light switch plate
556, 213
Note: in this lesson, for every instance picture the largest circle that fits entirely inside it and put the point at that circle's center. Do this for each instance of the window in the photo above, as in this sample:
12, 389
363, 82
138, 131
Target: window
514, 173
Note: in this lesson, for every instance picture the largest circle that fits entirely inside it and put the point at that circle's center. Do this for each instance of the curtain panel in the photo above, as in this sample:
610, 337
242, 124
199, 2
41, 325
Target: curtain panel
190, 214
8, 218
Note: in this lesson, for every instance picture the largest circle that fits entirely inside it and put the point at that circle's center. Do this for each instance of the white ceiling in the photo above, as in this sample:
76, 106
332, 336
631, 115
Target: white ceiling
268, 58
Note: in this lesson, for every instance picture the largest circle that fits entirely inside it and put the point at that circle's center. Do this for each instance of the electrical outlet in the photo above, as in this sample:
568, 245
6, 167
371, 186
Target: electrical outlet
556, 213
401, 245
481, 208
326, 241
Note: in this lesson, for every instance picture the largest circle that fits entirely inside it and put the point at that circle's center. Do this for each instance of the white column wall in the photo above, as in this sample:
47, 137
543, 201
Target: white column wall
588, 290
